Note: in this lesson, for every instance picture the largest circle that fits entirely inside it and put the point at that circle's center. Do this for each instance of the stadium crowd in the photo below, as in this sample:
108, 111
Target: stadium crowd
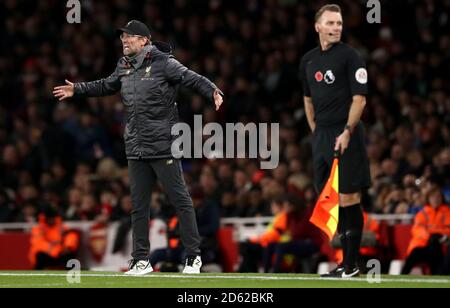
70, 155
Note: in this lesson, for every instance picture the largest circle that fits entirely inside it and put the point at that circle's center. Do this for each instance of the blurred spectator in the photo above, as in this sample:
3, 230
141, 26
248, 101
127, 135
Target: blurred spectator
208, 222
88, 209
254, 205
28, 212
431, 229
168, 259
300, 237
260, 249
73, 204
52, 243
123, 214
6, 207
228, 204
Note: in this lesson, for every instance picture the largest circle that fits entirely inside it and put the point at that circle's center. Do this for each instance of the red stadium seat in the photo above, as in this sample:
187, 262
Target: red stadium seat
14, 251
400, 237
229, 249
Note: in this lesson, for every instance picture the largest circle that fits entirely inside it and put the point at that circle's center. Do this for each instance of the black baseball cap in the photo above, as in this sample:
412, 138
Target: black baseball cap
135, 27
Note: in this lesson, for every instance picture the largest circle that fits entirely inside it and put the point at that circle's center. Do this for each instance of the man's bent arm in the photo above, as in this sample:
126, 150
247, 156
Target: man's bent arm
356, 110
178, 73
309, 110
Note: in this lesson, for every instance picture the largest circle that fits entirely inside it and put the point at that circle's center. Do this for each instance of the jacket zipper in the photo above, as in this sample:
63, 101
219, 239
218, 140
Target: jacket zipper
136, 115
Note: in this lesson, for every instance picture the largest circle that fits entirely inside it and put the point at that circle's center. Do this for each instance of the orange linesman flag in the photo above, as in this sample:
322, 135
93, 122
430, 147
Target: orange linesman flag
326, 211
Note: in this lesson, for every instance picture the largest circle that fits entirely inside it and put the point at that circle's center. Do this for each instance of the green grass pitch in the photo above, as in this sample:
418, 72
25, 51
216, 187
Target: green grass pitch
58, 279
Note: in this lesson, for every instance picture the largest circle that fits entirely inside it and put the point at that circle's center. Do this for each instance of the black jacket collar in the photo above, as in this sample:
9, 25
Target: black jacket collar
138, 59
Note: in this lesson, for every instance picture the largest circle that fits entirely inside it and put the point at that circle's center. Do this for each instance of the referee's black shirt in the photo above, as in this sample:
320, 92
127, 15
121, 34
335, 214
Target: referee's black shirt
331, 78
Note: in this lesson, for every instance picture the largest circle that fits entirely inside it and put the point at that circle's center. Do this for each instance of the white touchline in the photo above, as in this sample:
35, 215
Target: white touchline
406, 280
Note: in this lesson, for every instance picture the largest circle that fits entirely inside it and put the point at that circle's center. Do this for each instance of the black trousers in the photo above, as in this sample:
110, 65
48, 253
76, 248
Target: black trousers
44, 260
252, 254
300, 248
431, 255
143, 176
446, 266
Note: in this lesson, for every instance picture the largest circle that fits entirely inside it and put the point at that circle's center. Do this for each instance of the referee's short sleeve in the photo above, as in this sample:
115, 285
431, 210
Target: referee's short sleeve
303, 78
357, 73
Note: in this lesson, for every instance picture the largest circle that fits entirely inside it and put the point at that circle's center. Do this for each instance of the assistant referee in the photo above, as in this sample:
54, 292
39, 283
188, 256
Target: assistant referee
334, 79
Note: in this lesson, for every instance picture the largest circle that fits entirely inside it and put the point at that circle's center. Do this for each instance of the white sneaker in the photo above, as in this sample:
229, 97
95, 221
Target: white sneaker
139, 267
193, 265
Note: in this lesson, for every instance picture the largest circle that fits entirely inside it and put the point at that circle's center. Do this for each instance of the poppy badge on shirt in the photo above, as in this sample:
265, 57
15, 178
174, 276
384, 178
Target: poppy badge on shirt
318, 76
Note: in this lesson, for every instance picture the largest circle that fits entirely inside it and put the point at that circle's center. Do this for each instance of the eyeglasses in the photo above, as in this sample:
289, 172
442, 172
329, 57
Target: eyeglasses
124, 36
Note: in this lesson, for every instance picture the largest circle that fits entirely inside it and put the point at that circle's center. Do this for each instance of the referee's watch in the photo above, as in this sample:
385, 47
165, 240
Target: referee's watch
349, 128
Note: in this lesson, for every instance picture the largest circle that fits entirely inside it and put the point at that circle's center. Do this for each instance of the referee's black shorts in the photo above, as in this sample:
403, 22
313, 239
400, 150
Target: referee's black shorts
354, 172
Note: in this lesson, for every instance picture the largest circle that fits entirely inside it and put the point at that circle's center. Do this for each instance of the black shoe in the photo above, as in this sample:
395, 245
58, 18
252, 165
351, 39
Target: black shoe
336, 273
350, 273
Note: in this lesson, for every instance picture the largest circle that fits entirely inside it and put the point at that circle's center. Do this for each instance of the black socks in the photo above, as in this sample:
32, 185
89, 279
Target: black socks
341, 232
352, 227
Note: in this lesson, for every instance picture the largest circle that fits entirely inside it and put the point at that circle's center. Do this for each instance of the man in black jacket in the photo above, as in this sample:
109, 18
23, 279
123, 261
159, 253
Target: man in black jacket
148, 78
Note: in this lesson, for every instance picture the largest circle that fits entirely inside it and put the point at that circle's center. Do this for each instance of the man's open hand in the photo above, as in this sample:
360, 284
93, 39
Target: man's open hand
218, 99
63, 92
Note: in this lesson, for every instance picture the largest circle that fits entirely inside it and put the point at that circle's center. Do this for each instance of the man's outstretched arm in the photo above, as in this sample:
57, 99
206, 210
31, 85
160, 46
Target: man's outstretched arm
178, 73
102, 87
